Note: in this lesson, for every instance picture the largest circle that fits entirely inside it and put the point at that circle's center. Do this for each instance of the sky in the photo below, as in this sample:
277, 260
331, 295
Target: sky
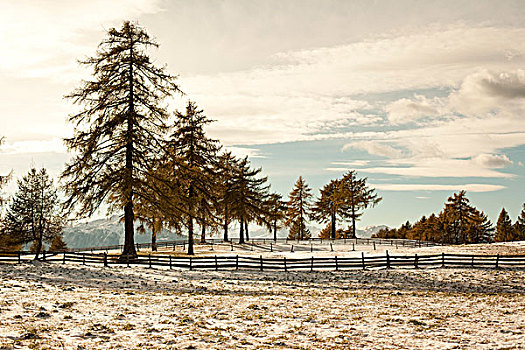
423, 98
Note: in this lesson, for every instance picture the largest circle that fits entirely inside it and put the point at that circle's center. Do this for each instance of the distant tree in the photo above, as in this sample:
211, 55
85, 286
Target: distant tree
192, 157
480, 229
58, 244
225, 174
357, 197
504, 230
327, 233
519, 226
248, 193
457, 216
274, 213
298, 213
34, 215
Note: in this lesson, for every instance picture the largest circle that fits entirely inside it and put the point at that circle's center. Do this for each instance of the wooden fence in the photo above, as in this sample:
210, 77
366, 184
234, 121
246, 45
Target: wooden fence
267, 241
237, 262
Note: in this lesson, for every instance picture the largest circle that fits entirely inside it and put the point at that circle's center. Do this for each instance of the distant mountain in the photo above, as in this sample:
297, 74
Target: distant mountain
110, 231
104, 232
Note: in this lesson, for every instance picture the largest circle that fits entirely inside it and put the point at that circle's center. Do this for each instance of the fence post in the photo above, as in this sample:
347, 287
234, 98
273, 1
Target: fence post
331, 247
149, 260
64, 258
312, 265
190, 264
231, 245
236, 262
170, 262
374, 245
363, 260
44, 255
472, 264
83, 258
105, 259
184, 246
216, 264
285, 269
442, 259
271, 247
261, 259
336, 265
415, 261
387, 260
497, 260
19, 258
291, 250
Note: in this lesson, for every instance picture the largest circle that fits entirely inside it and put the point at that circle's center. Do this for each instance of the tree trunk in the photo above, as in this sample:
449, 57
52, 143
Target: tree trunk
153, 237
190, 235
241, 231
38, 247
226, 239
246, 230
129, 251
353, 222
129, 230
203, 233
332, 219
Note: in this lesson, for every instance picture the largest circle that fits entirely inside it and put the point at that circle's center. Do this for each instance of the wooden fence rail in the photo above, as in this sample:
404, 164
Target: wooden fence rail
284, 264
255, 241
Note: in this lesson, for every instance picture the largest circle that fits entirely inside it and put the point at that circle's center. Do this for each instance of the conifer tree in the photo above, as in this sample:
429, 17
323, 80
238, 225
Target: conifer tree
504, 230
248, 193
328, 206
34, 215
519, 226
275, 212
120, 129
299, 202
192, 158
357, 197
225, 174
457, 216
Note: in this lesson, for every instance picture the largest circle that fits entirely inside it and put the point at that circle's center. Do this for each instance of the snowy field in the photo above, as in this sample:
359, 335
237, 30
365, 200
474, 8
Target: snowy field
55, 306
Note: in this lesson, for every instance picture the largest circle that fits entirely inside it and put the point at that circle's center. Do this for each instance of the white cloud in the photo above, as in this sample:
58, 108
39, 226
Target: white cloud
433, 187
375, 148
493, 161
408, 110
44, 41
34, 146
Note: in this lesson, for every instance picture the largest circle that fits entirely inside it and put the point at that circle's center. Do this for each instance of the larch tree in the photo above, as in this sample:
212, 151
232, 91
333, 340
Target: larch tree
457, 216
248, 193
120, 128
225, 175
519, 226
192, 158
328, 206
34, 215
356, 196
298, 213
274, 213
504, 230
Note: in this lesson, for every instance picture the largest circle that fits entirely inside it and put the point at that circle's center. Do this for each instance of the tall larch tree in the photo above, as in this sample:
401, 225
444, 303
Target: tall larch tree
299, 207
225, 174
457, 216
35, 215
357, 196
328, 205
274, 213
193, 158
120, 128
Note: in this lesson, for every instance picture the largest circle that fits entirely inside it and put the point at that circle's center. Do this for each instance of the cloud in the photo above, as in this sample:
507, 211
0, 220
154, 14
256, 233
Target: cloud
487, 92
408, 110
433, 187
375, 148
493, 161
44, 41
